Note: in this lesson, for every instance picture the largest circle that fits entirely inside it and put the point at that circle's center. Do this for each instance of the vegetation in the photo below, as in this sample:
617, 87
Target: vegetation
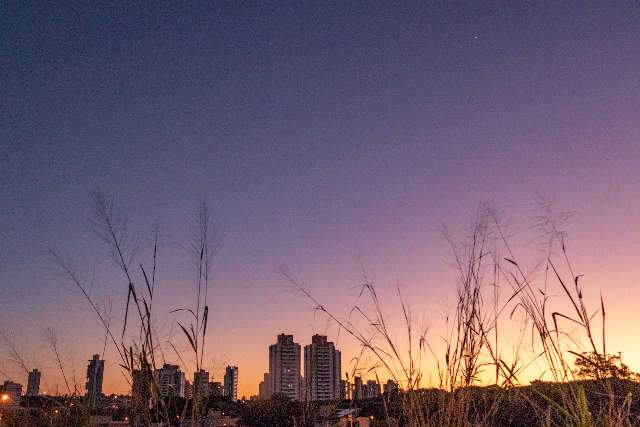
579, 382
139, 347
600, 366
559, 332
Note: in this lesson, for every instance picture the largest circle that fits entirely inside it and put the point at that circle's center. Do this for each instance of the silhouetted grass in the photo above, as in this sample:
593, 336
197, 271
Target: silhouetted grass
477, 384
139, 351
487, 265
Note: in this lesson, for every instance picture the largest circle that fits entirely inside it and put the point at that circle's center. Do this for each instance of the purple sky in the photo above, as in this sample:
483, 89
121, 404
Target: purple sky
320, 134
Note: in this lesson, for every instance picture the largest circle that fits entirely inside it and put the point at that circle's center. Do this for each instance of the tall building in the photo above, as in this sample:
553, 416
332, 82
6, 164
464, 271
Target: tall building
345, 390
11, 393
322, 369
201, 383
263, 387
358, 390
33, 383
171, 380
231, 382
284, 367
188, 390
95, 374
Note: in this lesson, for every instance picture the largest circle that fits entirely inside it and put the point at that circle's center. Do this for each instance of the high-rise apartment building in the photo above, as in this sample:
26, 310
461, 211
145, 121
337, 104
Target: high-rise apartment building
358, 390
231, 382
33, 383
284, 367
95, 374
322, 369
171, 380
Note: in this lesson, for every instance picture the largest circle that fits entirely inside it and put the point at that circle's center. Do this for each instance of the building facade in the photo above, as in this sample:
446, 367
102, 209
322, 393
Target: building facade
371, 389
201, 385
171, 380
263, 387
284, 367
322, 370
11, 393
357, 391
33, 383
345, 390
231, 382
95, 375
188, 390
390, 386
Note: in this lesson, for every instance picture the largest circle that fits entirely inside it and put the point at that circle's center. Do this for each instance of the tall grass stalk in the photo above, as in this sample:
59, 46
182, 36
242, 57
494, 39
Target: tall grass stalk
486, 265
139, 350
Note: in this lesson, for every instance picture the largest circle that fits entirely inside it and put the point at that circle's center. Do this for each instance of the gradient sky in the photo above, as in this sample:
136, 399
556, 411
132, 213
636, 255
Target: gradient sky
324, 135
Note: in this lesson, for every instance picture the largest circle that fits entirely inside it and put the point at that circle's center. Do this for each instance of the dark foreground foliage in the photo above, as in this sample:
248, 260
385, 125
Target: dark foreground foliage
538, 404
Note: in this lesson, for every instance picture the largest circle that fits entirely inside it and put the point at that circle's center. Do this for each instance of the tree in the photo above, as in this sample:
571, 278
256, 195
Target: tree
591, 365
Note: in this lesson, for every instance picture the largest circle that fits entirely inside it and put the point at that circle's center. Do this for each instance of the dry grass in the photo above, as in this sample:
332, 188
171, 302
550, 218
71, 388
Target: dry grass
139, 349
473, 344
495, 296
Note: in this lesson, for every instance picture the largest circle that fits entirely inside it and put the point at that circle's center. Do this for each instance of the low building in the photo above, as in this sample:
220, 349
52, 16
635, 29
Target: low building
10, 394
350, 418
219, 419
372, 389
263, 387
201, 385
106, 421
390, 387
215, 388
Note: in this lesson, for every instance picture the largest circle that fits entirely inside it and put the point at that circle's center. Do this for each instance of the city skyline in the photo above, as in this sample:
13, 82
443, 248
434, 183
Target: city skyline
320, 362
335, 142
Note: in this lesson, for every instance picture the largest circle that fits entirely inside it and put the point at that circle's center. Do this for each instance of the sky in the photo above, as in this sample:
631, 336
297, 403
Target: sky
326, 136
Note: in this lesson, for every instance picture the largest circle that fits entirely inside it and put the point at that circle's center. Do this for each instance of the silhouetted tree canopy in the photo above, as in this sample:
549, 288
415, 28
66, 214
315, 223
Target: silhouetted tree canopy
590, 365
